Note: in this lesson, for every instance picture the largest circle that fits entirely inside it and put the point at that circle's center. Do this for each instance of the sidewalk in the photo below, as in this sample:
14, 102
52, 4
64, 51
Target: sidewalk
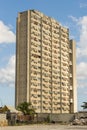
44, 127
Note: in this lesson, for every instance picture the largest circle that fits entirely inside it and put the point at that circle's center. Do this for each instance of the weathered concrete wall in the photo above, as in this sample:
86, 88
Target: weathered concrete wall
81, 115
63, 117
56, 117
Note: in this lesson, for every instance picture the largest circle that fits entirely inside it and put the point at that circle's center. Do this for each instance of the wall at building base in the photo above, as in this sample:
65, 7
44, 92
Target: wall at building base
81, 115
56, 118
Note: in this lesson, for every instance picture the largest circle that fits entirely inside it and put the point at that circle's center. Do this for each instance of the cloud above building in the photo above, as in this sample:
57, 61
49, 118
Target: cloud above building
6, 34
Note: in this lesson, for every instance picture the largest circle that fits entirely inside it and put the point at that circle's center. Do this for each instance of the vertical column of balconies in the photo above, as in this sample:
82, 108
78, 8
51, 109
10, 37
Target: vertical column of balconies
74, 100
41, 67
64, 71
71, 77
60, 71
46, 65
28, 56
36, 61
55, 68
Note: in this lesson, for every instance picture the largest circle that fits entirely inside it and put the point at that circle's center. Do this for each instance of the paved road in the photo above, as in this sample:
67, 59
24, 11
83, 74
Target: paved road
44, 127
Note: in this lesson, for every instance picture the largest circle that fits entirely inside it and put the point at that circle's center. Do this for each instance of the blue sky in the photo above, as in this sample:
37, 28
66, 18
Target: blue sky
70, 13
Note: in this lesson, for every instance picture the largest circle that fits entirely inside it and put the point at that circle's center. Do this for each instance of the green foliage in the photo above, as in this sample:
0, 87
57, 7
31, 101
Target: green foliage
26, 108
84, 105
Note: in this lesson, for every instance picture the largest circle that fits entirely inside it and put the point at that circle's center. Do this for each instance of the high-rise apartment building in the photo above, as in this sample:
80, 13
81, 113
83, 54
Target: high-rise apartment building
45, 64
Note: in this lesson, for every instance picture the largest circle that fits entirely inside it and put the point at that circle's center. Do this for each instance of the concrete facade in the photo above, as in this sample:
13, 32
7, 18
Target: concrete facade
45, 64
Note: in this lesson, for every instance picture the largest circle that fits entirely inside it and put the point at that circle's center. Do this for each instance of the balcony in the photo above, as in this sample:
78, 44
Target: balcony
70, 62
70, 75
71, 100
71, 88
70, 51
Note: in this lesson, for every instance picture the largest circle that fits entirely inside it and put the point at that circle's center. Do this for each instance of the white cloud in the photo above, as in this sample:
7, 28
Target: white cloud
82, 43
81, 70
81, 52
81, 23
85, 93
81, 84
74, 19
6, 35
7, 74
82, 74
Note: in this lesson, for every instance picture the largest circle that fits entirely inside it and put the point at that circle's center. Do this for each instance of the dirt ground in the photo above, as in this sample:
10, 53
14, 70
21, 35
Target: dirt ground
44, 127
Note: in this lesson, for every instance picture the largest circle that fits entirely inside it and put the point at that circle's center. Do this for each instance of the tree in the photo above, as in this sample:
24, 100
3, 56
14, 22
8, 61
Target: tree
84, 105
26, 108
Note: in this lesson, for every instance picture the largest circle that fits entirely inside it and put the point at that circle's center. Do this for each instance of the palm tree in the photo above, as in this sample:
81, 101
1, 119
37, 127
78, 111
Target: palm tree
26, 108
84, 105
